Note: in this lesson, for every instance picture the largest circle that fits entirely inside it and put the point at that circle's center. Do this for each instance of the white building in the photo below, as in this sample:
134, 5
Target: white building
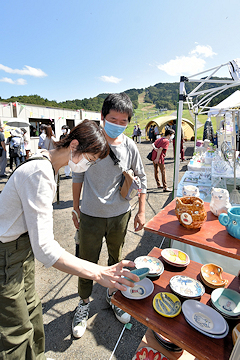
37, 115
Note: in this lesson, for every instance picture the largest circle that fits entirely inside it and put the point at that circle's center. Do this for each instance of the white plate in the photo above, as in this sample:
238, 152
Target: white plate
214, 336
141, 290
204, 317
155, 265
186, 286
175, 257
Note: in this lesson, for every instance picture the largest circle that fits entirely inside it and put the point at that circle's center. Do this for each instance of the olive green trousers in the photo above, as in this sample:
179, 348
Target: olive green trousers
21, 323
91, 232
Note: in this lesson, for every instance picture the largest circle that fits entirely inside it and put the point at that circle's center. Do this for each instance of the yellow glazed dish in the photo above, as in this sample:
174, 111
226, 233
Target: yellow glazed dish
211, 275
167, 304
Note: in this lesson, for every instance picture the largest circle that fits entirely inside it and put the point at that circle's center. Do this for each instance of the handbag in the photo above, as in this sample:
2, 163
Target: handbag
149, 156
130, 185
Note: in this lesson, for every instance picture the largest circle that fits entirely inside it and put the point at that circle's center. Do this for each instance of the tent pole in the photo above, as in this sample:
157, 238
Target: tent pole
195, 127
178, 134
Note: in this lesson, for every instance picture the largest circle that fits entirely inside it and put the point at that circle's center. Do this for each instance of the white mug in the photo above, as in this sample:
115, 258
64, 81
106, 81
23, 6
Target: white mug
190, 190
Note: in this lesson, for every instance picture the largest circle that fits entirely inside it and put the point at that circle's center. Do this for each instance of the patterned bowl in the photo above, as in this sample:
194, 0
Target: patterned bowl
211, 275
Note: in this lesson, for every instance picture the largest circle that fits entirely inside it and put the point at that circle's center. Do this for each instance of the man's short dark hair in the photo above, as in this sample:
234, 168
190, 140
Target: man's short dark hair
118, 102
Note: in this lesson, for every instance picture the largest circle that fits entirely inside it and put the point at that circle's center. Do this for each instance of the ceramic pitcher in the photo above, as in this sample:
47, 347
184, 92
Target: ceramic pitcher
232, 221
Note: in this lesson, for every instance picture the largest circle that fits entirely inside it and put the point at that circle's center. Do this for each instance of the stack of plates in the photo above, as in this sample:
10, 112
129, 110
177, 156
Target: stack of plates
226, 302
186, 287
141, 290
175, 257
205, 319
155, 265
166, 343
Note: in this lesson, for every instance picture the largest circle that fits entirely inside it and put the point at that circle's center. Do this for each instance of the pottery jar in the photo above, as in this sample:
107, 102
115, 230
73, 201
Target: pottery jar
190, 211
232, 221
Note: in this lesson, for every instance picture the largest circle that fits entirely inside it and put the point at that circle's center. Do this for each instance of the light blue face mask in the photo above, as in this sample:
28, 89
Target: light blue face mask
113, 130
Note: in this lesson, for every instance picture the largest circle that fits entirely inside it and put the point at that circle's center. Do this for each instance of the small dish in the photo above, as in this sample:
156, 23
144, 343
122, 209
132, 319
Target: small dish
186, 287
167, 304
175, 257
155, 265
211, 275
227, 301
204, 317
141, 273
141, 290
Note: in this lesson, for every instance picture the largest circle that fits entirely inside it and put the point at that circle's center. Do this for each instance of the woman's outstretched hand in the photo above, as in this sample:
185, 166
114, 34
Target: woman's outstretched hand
114, 276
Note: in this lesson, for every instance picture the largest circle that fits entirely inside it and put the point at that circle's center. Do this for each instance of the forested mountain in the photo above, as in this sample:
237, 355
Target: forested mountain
162, 95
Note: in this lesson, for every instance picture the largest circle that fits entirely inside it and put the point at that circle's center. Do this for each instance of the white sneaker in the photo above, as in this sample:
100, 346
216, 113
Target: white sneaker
79, 323
121, 315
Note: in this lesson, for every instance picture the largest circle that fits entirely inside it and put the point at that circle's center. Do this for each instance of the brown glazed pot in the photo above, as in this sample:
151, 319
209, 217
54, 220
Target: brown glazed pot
190, 212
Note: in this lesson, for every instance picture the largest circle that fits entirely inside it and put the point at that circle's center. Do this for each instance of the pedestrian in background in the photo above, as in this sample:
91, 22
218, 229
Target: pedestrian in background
139, 134
65, 131
3, 156
160, 147
134, 135
27, 142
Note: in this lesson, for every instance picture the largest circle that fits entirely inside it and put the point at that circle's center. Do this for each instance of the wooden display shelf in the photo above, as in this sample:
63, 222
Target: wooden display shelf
212, 236
177, 329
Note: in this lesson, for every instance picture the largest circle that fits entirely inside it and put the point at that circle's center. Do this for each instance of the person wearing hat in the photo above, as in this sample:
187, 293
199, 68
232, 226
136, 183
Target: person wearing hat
3, 157
14, 142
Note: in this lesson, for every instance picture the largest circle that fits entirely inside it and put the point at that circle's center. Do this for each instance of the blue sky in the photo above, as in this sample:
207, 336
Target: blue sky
75, 49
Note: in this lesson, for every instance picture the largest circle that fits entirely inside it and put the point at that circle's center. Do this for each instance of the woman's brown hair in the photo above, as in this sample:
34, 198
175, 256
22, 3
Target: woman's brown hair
90, 138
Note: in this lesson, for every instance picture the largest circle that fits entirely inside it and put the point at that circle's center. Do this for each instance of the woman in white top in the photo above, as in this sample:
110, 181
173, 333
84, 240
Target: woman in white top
26, 231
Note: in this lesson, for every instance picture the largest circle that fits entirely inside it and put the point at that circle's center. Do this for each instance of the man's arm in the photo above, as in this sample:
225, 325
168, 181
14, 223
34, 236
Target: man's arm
158, 155
76, 190
139, 219
3, 145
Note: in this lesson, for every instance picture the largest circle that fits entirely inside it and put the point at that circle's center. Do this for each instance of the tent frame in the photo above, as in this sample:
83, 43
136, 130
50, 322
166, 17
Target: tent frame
197, 107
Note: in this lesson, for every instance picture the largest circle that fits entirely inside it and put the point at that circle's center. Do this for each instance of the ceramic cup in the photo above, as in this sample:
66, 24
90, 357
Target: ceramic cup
232, 221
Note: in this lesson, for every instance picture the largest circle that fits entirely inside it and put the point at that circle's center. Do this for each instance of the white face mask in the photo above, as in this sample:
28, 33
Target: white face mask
172, 137
81, 166
64, 131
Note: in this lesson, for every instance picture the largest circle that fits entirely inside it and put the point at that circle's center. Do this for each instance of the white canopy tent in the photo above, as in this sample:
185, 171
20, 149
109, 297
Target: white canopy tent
201, 100
231, 102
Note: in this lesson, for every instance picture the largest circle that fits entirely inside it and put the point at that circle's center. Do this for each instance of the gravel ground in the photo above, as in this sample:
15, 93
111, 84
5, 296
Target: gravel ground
58, 291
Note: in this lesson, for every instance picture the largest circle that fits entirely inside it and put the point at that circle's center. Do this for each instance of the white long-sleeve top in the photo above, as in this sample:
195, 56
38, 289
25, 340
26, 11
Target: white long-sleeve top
26, 205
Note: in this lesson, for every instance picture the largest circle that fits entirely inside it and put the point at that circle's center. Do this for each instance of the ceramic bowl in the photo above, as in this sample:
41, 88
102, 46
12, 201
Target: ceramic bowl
175, 257
204, 317
167, 304
226, 301
211, 275
141, 273
141, 290
186, 287
155, 265
235, 333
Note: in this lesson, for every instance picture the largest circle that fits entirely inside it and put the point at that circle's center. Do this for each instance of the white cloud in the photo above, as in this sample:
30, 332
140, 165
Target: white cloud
191, 64
27, 70
13, 82
183, 65
205, 50
111, 79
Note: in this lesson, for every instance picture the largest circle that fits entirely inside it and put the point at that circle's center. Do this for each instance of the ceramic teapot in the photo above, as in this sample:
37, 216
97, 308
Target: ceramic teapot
232, 221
